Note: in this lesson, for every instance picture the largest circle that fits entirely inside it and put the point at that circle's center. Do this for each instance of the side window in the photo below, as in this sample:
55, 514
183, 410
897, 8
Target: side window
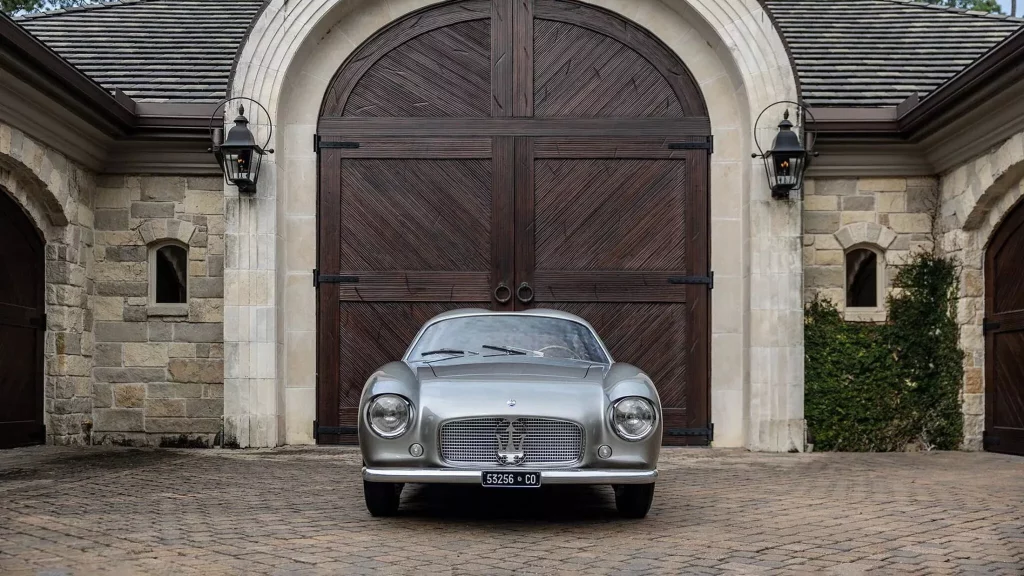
168, 273
863, 278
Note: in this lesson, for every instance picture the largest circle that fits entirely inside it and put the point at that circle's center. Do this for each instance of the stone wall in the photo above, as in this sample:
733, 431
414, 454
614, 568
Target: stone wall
894, 215
56, 193
158, 373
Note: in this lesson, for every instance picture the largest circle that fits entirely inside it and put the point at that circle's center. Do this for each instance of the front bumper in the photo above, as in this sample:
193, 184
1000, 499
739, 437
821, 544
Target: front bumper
459, 476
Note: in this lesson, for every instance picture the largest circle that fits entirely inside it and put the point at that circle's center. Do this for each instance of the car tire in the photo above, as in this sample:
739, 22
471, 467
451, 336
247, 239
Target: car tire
634, 500
382, 498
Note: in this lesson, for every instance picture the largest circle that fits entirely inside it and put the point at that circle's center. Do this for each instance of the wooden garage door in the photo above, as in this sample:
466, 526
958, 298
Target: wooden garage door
1004, 337
544, 146
22, 324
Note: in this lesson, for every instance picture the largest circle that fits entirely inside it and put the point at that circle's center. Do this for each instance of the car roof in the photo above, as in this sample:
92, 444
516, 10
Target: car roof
542, 312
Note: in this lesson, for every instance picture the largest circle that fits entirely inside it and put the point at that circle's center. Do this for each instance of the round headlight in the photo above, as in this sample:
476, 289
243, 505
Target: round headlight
389, 415
633, 418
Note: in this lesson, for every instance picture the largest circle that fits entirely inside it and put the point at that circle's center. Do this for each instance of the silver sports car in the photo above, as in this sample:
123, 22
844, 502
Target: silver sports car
509, 400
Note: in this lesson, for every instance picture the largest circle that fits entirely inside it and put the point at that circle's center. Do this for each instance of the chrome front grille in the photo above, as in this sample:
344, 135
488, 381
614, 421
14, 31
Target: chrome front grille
475, 441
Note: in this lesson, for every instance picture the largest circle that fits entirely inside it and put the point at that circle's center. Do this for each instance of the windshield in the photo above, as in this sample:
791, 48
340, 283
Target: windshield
508, 335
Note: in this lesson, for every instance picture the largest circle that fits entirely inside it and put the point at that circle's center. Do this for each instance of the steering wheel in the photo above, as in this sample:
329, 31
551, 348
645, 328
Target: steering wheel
569, 350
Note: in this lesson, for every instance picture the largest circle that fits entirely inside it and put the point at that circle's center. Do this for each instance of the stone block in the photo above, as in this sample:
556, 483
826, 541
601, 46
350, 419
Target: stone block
183, 425
165, 408
824, 277
107, 355
102, 395
208, 183
855, 217
71, 406
163, 188
181, 350
909, 223
921, 200
120, 332
126, 253
215, 265
207, 332
973, 381
126, 375
204, 407
213, 391
834, 187
196, 268
821, 203
145, 354
135, 314
176, 390
122, 288
121, 272
974, 283
152, 210
828, 258
882, 184
196, 370
206, 287
974, 404
204, 202
161, 331
129, 395
206, 310
892, 201
821, 222
118, 420
110, 219
859, 203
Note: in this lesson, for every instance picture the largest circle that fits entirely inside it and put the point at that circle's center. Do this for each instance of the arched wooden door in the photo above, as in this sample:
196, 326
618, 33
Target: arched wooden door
1004, 336
22, 325
537, 144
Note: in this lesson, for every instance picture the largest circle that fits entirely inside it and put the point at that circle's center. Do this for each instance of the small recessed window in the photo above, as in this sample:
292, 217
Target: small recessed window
169, 280
862, 278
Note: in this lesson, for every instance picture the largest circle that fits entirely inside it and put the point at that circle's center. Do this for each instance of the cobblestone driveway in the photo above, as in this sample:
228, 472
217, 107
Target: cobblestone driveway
123, 511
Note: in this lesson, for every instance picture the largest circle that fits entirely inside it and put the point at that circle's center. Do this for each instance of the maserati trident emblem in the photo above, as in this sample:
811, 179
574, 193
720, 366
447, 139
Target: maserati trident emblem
511, 403
511, 438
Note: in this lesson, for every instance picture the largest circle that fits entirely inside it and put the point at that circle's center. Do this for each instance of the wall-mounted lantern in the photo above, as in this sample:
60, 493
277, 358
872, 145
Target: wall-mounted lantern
239, 156
787, 160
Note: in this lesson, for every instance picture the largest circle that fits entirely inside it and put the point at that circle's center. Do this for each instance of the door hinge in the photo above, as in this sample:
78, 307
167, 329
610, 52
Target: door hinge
319, 144
319, 279
335, 430
987, 326
709, 432
709, 280
989, 439
708, 144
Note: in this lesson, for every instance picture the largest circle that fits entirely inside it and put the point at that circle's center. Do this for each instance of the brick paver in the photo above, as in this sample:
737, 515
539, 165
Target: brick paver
129, 511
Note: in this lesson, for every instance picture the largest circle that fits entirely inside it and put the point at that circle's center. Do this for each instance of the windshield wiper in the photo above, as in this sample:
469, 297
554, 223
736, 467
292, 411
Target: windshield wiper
445, 351
508, 350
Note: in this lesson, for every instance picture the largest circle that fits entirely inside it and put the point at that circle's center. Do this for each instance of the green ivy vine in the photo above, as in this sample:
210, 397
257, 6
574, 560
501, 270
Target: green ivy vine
883, 387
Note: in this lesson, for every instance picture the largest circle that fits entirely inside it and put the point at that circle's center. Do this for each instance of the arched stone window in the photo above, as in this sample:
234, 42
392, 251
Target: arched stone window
864, 278
168, 275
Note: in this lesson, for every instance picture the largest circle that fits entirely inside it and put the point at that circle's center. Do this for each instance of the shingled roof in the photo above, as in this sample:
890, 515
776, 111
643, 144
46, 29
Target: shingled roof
153, 50
848, 53
872, 53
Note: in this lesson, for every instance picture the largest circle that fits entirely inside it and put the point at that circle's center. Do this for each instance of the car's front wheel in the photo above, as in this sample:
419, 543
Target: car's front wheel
634, 500
382, 498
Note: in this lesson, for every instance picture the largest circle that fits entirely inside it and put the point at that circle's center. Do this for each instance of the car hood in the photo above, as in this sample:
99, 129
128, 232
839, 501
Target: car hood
518, 388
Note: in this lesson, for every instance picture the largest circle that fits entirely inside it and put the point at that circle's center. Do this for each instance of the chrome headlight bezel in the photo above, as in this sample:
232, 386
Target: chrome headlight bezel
652, 425
396, 433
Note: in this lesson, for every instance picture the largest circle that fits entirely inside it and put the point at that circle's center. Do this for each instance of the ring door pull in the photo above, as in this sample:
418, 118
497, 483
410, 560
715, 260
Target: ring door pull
524, 293
503, 293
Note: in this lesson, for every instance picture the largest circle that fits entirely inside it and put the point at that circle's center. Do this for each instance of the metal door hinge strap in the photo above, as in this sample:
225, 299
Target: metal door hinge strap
319, 278
709, 280
990, 326
319, 144
708, 145
988, 439
709, 431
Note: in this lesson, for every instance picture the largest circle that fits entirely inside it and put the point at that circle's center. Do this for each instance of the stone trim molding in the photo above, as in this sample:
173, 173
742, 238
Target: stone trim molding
738, 58
972, 190
865, 233
167, 229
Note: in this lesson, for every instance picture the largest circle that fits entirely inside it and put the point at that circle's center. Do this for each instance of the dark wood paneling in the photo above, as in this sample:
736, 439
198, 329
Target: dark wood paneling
417, 286
607, 286
1004, 342
502, 58
22, 327
328, 350
335, 128
524, 55
503, 233
581, 73
411, 148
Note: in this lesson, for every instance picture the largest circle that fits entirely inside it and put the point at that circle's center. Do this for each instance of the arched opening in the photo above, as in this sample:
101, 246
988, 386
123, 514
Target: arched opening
22, 327
168, 282
863, 278
1004, 336
547, 144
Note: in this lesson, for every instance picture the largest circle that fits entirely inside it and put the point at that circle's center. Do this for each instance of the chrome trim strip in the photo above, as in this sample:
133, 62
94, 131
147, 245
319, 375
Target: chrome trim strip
452, 476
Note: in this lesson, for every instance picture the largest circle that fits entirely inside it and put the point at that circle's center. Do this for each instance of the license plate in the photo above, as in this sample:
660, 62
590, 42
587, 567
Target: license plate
510, 479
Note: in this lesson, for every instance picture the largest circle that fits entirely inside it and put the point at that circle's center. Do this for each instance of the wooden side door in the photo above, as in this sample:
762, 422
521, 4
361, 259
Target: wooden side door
1004, 337
615, 230
22, 326
420, 226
